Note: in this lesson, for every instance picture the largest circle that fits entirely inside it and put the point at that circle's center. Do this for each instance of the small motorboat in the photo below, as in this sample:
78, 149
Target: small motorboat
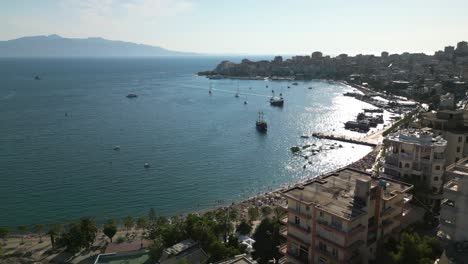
304, 136
37, 78
146, 165
245, 102
276, 101
132, 95
116, 148
310, 88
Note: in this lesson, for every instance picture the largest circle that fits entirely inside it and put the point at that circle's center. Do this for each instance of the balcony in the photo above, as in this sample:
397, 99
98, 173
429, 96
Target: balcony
387, 211
299, 213
293, 235
448, 210
451, 190
326, 253
283, 249
447, 227
299, 228
284, 220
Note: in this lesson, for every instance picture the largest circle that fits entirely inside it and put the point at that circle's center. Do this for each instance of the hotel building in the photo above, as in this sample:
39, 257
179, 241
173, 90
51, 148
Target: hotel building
342, 217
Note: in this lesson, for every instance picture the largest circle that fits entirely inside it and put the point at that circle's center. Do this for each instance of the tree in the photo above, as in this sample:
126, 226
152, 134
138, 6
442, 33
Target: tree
267, 239
128, 223
142, 223
80, 235
152, 216
38, 230
22, 229
4, 232
110, 229
253, 214
244, 228
156, 250
266, 211
54, 232
414, 249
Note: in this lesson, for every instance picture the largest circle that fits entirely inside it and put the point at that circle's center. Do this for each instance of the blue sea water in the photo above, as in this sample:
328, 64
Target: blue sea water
57, 136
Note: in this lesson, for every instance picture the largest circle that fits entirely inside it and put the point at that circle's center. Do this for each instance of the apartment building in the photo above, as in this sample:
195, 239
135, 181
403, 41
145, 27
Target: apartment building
342, 217
451, 125
454, 209
419, 157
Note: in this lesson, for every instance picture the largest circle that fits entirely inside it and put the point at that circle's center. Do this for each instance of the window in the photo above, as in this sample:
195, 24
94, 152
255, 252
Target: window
297, 220
406, 165
466, 140
336, 223
307, 208
437, 167
335, 253
298, 207
400, 165
458, 149
460, 139
457, 159
321, 214
436, 178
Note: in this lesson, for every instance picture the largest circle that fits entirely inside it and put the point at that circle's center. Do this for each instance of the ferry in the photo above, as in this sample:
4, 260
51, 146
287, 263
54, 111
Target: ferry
132, 95
276, 101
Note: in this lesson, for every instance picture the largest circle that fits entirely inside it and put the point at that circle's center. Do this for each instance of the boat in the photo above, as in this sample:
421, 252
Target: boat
294, 83
132, 95
237, 93
209, 91
310, 88
276, 101
117, 148
261, 124
304, 136
146, 165
37, 78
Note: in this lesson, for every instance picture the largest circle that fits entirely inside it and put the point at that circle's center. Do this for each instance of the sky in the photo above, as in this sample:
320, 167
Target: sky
277, 27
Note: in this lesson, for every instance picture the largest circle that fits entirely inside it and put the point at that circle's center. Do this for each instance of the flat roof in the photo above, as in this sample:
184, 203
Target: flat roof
334, 192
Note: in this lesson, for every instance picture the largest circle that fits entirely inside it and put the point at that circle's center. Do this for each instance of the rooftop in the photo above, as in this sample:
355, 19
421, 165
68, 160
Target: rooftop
417, 136
334, 192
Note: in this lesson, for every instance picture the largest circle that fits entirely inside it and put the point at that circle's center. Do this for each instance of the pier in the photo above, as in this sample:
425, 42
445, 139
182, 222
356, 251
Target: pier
345, 139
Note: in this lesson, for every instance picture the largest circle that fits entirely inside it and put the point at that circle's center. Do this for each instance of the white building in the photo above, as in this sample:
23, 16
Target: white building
416, 156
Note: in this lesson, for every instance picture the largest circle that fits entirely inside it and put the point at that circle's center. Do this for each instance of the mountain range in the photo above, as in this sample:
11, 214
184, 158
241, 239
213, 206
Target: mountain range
57, 46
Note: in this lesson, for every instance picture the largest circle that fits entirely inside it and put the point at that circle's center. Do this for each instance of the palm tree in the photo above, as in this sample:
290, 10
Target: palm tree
142, 223
110, 229
4, 232
128, 223
22, 229
38, 229
53, 232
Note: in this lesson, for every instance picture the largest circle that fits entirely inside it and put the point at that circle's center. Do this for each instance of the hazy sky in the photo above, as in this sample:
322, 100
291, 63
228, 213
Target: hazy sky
248, 26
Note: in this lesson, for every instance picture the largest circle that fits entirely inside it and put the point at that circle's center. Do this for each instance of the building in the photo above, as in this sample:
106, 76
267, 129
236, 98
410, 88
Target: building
452, 126
186, 251
447, 102
239, 259
454, 210
415, 155
342, 217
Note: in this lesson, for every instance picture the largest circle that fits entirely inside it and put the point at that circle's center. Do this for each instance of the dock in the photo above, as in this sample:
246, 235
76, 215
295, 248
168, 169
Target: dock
344, 139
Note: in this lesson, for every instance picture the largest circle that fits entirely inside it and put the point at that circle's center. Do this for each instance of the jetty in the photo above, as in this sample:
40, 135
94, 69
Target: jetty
344, 139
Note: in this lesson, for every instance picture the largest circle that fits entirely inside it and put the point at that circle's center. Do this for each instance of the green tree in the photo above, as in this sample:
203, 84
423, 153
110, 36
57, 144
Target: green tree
244, 228
39, 230
267, 239
152, 216
414, 249
54, 231
128, 223
253, 214
110, 229
156, 250
80, 235
4, 232
266, 211
142, 223
22, 229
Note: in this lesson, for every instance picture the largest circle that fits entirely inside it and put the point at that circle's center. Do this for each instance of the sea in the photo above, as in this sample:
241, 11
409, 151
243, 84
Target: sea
59, 135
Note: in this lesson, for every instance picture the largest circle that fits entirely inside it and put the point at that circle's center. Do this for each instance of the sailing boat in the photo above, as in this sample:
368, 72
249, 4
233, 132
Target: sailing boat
245, 102
261, 124
209, 91
237, 94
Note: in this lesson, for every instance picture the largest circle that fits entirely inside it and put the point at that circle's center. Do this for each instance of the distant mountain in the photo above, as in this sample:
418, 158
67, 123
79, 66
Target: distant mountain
56, 46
